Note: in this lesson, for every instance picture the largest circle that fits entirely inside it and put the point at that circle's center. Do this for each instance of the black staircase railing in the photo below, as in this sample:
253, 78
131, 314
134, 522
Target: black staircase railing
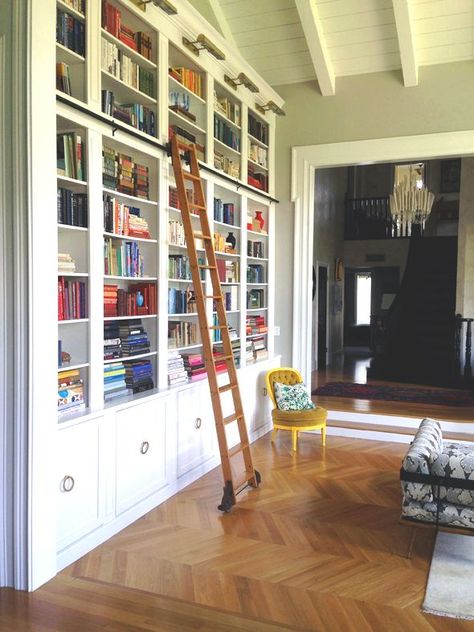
463, 331
369, 218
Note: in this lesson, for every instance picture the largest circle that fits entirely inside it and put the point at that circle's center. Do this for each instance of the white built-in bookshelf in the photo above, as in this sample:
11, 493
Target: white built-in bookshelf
123, 291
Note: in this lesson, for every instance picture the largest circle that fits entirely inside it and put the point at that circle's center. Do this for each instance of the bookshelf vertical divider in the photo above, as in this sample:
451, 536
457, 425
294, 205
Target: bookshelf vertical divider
96, 271
93, 51
163, 91
243, 279
162, 222
210, 119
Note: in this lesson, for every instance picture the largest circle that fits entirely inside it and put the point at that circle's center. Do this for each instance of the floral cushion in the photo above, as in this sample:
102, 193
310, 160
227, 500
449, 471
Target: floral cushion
293, 397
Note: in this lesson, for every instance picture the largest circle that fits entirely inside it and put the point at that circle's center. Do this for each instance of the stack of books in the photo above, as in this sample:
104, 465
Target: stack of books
70, 392
110, 300
256, 325
133, 337
235, 350
121, 173
114, 381
65, 263
260, 348
112, 342
257, 179
194, 365
177, 374
139, 375
72, 208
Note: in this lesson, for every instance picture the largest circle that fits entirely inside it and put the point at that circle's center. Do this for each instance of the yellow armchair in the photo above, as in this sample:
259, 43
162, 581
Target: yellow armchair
294, 420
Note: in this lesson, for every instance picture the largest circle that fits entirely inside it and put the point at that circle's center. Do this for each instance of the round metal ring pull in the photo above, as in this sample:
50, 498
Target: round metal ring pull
67, 483
145, 446
198, 423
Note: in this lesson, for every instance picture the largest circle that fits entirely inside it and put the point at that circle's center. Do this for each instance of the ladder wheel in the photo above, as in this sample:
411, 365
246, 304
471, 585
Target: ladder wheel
227, 498
258, 477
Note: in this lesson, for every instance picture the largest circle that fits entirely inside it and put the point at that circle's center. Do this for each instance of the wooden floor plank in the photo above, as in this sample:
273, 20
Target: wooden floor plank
317, 547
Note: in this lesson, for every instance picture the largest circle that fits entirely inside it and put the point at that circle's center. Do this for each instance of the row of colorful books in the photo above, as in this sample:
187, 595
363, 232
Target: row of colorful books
181, 301
259, 155
181, 334
72, 299
122, 67
177, 373
112, 23
121, 219
258, 129
228, 108
70, 32
226, 134
63, 78
255, 249
127, 378
227, 165
138, 300
123, 258
134, 114
224, 211
70, 155
188, 78
70, 392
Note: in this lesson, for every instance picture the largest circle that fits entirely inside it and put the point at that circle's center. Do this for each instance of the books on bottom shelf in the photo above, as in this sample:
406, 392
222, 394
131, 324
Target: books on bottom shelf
182, 333
235, 350
127, 378
195, 367
66, 263
70, 392
177, 374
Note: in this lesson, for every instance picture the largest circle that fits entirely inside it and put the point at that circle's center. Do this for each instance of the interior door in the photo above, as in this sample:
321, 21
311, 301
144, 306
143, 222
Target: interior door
322, 292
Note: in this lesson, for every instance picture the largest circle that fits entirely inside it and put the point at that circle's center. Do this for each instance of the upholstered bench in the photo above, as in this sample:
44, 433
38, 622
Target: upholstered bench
437, 479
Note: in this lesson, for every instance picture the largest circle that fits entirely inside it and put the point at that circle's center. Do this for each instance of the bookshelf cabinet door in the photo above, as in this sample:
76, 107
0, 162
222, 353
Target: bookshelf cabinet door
78, 487
141, 452
196, 429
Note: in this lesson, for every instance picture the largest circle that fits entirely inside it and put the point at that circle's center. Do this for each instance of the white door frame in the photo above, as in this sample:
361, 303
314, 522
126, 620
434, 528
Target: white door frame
321, 264
305, 160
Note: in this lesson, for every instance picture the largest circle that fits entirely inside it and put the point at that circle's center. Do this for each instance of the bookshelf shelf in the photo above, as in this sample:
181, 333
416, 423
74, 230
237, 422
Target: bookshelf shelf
196, 346
73, 274
230, 282
252, 336
187, 315
185, 123
225, 147
258, 166
124, 92
233, 226
177, 85
73, 321
256, 284
65, 7
176, 210
256, 258
178, 247
132, 198
256, 141
257, 309
66, 181
227, 254
73, 367
129, 278
133, 54
227, 120
68, 56
67, 227
129, 238
138, 356
256, 232
110, 318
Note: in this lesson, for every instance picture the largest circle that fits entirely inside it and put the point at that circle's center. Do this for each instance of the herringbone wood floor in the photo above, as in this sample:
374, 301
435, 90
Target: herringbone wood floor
316, 547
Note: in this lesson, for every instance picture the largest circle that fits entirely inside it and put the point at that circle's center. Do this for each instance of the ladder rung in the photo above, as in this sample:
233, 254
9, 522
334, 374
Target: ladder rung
227, 387
244, 480
184, 146
201, 236
214, 296
218, 327
240, 447
207, 267
196, 206
192, 177
220, 358
231, 418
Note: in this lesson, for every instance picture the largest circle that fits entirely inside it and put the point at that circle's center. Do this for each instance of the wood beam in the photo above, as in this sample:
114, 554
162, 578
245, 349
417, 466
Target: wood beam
318, 49
222, 21
406, 42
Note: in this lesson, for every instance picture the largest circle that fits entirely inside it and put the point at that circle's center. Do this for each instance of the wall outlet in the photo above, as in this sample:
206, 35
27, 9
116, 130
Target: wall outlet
276, 330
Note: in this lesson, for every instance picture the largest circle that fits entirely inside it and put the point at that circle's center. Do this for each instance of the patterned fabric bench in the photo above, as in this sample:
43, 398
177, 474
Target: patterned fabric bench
437, 479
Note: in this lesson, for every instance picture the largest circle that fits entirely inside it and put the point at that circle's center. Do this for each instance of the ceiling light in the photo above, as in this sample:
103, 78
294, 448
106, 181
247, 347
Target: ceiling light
272, 106
202, 42
243, 80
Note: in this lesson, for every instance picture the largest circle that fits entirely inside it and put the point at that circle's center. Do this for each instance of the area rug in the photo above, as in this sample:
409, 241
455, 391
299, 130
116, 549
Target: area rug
402, 393
449, 592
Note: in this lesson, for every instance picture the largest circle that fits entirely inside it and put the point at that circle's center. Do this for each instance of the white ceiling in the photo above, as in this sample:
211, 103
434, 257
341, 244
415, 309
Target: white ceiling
288, 41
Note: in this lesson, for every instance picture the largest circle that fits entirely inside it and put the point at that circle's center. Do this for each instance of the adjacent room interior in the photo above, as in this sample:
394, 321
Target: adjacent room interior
237, 302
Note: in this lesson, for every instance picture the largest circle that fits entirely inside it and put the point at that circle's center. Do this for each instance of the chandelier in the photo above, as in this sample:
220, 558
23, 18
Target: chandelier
410, 205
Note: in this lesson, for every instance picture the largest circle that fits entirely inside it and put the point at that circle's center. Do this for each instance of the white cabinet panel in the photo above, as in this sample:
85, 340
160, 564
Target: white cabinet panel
78, 482
196, 428
141, 452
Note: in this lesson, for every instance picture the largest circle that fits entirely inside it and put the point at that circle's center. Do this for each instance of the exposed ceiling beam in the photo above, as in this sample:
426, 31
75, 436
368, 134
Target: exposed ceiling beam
222, 22
318, 49
406, 42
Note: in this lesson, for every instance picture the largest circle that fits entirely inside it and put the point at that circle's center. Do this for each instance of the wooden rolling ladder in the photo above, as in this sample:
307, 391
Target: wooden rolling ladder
196, 204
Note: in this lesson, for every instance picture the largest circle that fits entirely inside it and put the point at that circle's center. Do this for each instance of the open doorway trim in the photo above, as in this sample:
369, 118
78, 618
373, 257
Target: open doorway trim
305, 160
321, 264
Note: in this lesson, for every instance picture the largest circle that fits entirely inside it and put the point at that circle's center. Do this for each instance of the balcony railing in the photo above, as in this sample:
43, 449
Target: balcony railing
369, 218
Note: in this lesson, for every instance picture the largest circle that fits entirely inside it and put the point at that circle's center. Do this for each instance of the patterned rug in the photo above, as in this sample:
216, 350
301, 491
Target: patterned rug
402, 393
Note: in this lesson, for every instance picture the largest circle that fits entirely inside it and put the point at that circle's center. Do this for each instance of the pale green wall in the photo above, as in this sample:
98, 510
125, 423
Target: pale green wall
365, 106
